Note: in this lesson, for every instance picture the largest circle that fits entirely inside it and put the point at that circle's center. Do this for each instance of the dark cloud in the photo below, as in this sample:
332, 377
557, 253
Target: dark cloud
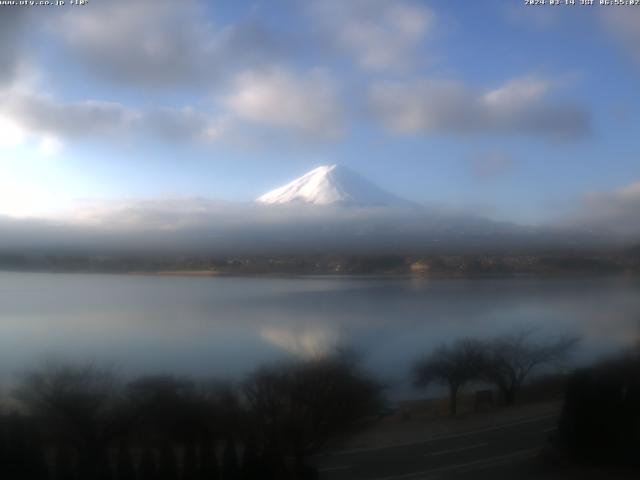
616, 212
162, 43
197, 224
41, 115
45, 115
14, 24
178, 125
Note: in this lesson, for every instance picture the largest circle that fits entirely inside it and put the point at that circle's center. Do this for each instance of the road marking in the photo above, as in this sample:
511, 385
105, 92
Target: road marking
455, 450
333, 469
468, 466
549, 430
442, 437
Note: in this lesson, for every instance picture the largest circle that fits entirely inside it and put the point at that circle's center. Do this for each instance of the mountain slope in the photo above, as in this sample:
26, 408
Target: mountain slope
331, 185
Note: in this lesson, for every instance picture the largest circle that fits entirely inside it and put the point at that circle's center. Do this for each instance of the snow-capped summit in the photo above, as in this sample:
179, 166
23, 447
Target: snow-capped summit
331, 185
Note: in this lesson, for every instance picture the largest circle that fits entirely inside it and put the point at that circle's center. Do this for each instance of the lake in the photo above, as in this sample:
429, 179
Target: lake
225, 326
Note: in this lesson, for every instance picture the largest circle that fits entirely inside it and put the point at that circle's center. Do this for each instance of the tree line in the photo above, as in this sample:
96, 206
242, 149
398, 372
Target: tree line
78, 422
83, 422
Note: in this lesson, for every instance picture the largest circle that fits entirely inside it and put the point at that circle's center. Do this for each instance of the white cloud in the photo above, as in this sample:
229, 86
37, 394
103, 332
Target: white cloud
279, 98
517, 93
15, 133
378, 34
43, 123
259, 101
449, 107
49, 122
148, 214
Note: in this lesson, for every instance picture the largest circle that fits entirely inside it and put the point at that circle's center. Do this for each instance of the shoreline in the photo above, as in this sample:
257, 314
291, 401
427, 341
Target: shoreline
400, 276
173, 273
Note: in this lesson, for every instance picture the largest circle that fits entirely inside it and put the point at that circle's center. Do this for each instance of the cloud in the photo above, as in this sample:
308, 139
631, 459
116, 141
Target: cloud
617, 211
143, 42
196, 226
178, 213
280, 98
624, 25
14, 23
157, 43
150, 214
185, 125
271, 99
449, 107
491, 164
153, 43
377, 34
50, 122
40, 120
258, 103
199, 224
42, 114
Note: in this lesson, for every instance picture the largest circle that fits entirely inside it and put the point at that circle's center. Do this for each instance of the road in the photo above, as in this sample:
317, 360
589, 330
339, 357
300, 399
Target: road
489, 450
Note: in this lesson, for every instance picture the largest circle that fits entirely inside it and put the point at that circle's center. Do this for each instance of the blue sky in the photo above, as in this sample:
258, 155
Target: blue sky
514, 112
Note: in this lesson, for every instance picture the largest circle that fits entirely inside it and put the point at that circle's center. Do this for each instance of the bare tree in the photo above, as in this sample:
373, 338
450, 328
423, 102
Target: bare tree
509, 359
166, 408
75, 404
452, 365
298, 408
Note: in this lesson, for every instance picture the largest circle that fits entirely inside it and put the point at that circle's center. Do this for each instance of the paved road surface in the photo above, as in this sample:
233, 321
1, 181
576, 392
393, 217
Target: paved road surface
471, 454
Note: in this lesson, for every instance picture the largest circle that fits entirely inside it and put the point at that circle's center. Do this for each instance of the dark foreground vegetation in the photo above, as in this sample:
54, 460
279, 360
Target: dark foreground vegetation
600, 420
83, 423
73, 422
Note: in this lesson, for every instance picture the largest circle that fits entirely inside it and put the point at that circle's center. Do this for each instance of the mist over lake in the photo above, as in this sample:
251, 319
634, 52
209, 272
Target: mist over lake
226, 326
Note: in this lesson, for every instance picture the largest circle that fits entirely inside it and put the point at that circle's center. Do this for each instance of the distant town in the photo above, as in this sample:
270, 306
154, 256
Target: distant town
430, 264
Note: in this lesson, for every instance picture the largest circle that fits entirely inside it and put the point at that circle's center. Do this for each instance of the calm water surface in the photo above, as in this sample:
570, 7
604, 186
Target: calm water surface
226, 326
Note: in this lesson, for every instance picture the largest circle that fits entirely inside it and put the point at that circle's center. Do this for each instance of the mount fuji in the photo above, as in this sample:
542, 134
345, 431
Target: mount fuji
332, 185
